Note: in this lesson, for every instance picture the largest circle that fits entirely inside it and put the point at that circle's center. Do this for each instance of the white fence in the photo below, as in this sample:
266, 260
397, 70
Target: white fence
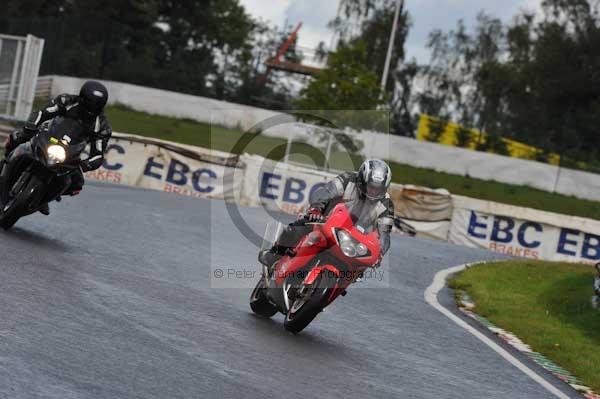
399, 149
20, 59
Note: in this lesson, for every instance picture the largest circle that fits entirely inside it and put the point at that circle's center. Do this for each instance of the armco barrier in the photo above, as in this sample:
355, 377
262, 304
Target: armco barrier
524, 232
249, 180
165, 166
394, 148
256, 181
199, 172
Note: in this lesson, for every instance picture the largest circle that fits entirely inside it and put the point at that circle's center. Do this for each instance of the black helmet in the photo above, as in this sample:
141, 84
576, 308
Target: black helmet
93, 96
374, 178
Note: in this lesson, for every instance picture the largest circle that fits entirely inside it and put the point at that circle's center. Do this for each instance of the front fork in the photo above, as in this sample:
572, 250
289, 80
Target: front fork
20, 183
277, 296
8, 190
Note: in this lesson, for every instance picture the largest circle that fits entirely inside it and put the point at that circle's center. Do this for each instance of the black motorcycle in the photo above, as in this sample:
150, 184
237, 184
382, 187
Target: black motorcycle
39, 171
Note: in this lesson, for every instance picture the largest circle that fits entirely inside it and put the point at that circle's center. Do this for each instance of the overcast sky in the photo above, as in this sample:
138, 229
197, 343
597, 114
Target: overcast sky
426, 14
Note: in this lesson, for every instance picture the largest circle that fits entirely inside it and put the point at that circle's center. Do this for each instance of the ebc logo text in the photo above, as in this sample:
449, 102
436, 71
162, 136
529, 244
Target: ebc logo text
180, 174
525, 238
274, 186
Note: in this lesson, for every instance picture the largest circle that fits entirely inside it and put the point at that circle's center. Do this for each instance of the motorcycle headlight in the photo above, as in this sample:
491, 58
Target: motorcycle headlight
56, 154
350, 246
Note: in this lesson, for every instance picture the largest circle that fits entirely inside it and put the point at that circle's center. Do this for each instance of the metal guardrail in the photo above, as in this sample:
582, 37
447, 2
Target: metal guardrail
230, 161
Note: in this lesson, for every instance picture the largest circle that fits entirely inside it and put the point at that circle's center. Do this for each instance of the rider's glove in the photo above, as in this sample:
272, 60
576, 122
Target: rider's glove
88, 165
314, 215
29, 130
85, 166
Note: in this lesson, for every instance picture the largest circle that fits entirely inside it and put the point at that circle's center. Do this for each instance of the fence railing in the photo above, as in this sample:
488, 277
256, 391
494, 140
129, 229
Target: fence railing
20, 59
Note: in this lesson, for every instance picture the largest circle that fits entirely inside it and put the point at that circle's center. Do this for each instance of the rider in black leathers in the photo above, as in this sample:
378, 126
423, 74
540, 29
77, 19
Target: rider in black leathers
88, 109
365, 192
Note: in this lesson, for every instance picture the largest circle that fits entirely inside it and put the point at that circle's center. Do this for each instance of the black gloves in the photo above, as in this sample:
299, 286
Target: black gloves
87, 165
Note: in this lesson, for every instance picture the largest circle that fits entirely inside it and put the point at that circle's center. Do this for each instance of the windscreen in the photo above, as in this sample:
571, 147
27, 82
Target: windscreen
364, 214
272, 233
68, 129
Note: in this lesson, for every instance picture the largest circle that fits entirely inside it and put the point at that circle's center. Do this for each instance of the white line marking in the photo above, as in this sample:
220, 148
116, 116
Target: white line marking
431, 294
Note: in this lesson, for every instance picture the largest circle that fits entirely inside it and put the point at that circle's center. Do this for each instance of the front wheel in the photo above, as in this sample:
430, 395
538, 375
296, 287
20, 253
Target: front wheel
259, 302
16, 205
309, 302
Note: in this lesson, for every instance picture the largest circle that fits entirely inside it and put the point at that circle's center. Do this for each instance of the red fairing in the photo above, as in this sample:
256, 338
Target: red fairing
323, 238
314, 273
340, 219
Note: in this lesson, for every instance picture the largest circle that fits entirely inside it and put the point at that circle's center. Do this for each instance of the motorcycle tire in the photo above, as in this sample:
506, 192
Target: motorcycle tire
259, 302
17, 205
300, 315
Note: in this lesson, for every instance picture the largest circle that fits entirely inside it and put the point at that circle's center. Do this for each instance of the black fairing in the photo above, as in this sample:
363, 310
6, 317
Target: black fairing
67, 132
30, 158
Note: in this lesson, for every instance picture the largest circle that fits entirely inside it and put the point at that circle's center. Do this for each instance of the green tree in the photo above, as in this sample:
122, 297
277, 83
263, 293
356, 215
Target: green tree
167, 44
241, 77
534, 79
370, 21
346, 84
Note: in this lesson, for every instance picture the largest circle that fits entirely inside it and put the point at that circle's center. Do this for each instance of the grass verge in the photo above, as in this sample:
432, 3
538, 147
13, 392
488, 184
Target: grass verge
548, 305
195, 133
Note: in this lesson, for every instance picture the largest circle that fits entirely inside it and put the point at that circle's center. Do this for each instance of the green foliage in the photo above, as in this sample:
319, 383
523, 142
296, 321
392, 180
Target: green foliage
204, 47
374, 19
548, 305
346, 84
533, 79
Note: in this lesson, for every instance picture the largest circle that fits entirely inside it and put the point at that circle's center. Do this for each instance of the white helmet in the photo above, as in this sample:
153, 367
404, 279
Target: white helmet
374, 178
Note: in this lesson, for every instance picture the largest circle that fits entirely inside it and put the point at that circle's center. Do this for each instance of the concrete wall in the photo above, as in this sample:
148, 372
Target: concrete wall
399, 149
169, 103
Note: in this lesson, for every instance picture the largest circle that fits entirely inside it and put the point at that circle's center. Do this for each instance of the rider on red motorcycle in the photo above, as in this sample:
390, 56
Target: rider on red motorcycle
365, 191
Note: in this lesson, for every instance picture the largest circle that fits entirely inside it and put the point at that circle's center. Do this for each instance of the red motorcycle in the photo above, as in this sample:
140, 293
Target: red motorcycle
318, 270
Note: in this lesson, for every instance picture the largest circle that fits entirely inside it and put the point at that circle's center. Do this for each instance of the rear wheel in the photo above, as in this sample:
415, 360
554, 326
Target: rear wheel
16, 205
259, 302
310, 301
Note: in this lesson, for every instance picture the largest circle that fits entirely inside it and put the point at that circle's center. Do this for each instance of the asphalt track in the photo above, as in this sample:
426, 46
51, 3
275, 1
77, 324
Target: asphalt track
111, 296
